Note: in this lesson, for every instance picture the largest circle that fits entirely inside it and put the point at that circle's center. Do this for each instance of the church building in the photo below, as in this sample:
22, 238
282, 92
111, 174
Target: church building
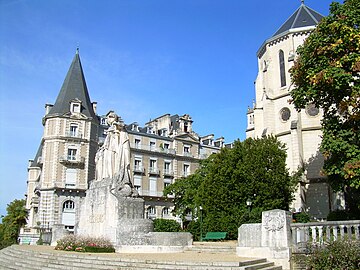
273, 114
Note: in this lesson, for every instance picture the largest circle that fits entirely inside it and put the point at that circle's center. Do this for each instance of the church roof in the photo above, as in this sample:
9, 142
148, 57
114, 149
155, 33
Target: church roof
302, 17
73, 88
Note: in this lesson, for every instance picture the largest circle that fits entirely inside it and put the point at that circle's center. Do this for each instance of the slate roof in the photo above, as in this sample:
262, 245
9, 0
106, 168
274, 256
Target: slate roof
302, 17
74, 87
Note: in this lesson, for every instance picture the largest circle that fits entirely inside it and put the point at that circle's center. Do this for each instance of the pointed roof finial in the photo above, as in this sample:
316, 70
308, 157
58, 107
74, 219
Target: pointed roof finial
77, 49
302, 2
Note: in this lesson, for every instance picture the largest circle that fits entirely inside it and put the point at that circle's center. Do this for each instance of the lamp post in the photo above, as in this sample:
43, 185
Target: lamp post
248, 204
201, 232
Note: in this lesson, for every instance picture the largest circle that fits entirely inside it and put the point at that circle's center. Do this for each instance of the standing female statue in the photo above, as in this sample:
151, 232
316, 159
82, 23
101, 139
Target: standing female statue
113, 157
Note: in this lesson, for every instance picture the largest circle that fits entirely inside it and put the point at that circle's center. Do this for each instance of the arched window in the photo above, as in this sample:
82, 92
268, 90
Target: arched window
68, 206
282, 68
165, 212
68, 215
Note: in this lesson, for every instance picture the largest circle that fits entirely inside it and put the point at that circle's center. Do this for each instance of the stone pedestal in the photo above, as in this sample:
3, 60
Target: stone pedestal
106, 213
270, 239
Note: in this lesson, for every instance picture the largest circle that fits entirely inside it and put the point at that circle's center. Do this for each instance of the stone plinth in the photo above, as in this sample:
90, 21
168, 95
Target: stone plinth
105, 213
271, 238
99, 211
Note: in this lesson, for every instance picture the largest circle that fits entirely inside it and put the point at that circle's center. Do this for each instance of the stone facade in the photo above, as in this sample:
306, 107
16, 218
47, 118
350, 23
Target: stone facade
272, 113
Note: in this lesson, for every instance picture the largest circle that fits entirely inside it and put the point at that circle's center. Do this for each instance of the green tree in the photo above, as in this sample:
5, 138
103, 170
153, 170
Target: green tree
12, 222
327, 74
254, 169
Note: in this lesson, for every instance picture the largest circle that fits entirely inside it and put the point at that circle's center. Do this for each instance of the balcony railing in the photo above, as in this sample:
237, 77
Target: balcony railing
319, 233
153, 148
168, 172
139, 169
73, 135
72, 159
154, 170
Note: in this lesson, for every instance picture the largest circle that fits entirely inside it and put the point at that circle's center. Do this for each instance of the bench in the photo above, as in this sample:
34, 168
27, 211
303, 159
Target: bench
215, 236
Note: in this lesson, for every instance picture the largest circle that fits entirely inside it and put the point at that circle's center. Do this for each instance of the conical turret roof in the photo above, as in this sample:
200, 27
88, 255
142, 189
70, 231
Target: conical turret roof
73, 88
302, 17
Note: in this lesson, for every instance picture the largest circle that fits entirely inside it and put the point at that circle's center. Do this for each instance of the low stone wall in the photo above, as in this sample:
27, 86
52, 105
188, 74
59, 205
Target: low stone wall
156, 242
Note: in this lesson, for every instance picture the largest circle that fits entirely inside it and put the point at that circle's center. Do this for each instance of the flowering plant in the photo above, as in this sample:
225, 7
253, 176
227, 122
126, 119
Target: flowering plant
84, 244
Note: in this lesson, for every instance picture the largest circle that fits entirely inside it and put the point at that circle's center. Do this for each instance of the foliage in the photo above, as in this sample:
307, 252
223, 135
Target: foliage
12, 222
339, 215
253, 169
85, 244
166, 225
326, 74
340, 254
301, 217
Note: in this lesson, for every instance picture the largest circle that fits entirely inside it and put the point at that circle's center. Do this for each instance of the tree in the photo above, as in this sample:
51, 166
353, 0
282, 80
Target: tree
254, 169
326, 74
12, 222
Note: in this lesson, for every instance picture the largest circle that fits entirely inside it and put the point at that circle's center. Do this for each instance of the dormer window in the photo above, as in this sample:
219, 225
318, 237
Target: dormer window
150, 130
75, 106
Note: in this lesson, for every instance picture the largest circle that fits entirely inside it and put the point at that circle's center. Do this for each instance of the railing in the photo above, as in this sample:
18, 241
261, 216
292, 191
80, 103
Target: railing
168, 172
73, 134
154, 170
139, 169
71, 159
153, 148
319, 233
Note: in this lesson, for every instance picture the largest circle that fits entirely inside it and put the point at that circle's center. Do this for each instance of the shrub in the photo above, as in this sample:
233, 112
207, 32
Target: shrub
301, 217
340, 254
84, 244
339, 215
166, 225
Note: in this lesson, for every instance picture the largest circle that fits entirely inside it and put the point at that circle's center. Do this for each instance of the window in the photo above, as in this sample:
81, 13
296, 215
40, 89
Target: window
186, 127
166, 146
166, 183
73, 130
282, 68
71, 154
68, 206
70, 177
167, 166
153, 186
165, 212
186, 170
137, 183
285, 114
137, 143
137, 165
75, 107
68, 215
153, 168
152, 211
103, 121
186, 149
152, 146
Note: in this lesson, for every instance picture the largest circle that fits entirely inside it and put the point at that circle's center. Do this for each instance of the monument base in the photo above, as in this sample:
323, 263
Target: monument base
105, 213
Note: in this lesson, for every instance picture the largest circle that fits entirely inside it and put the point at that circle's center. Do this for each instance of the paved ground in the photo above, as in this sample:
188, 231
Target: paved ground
183, 256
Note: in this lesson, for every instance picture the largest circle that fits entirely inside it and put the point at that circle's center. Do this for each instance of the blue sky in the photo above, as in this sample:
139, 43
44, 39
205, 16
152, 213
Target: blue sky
141, 58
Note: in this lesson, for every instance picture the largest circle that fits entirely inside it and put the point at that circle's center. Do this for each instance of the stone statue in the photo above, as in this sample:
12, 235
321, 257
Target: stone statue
113, 158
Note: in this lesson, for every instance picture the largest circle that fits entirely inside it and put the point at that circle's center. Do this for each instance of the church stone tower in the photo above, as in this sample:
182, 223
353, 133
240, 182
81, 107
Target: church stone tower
64, 164
273, 114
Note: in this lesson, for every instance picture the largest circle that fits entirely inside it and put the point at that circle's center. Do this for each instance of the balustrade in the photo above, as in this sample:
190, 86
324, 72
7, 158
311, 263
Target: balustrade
319, 233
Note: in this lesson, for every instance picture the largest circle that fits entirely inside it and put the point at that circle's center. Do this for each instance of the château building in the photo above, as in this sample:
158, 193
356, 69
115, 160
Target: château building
273, 113
162, 151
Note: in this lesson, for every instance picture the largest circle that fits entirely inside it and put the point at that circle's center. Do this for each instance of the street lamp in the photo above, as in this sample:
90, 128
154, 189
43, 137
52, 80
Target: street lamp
249, 203
201, 233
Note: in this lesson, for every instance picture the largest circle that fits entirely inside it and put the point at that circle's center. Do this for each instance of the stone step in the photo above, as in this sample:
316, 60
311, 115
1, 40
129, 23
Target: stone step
15, 257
